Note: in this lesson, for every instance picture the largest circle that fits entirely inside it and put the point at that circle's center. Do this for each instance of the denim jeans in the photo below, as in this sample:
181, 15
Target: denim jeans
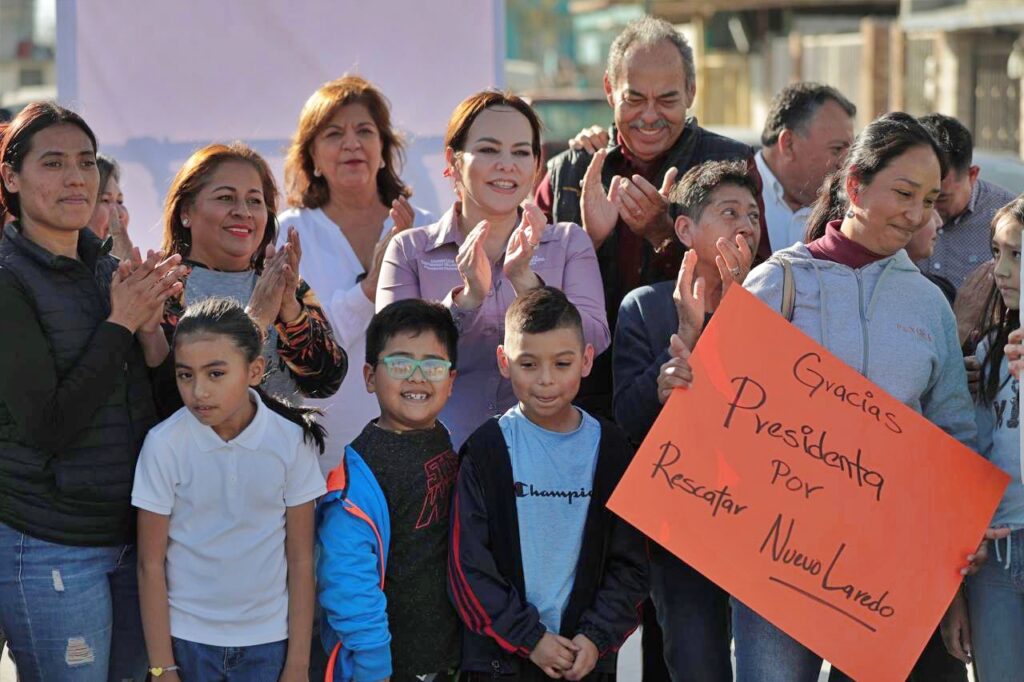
995, 598
256, 663
693, 613
764, 653
70, 613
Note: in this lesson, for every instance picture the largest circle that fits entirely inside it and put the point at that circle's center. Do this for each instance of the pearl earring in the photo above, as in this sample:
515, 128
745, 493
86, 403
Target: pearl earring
317, 173
383, 165
184, 222
849, 213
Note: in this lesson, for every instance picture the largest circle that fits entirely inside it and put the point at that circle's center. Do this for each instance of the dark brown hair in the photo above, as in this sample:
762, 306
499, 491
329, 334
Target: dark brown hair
467, 111
883, 140
540, 310
16, 141
1003, 319
304, 189
191, 179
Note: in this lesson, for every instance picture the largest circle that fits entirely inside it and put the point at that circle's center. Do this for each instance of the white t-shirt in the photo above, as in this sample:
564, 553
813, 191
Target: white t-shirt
332, 269
226, 567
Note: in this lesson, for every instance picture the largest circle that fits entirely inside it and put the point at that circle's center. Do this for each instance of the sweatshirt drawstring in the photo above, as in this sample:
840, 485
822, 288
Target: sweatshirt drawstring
878, 288
822, 304
1009, 546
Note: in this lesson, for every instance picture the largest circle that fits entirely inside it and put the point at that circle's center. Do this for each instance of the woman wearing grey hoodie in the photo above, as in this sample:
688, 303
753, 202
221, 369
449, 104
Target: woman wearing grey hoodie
859, 294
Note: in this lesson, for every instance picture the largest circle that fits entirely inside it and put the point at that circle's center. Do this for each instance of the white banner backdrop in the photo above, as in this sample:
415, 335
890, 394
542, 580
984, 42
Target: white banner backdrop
158, 80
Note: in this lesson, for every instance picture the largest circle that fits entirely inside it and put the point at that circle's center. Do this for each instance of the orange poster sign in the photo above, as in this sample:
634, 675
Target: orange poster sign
808, 493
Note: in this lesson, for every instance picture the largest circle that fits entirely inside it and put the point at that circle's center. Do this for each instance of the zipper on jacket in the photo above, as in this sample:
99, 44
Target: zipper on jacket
863, 324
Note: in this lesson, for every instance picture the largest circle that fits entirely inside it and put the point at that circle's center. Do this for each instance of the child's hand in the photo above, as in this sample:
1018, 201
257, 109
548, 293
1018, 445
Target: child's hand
980, 555
1015, 352
586, 658
553, 654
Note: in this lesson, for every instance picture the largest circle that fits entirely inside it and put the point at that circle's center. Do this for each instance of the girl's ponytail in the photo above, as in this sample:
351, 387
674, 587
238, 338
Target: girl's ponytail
223, 316
313, 431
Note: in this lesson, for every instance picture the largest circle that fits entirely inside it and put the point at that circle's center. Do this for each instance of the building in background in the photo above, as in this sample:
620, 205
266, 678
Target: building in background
27, 68
969, 57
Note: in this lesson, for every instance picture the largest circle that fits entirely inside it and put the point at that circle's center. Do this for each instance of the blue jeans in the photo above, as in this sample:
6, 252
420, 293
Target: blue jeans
70, 613
256, 663
693, 613
995, 598
764, 653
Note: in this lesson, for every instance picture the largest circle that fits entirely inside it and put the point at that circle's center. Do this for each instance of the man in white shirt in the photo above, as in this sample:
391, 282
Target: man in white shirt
806, 136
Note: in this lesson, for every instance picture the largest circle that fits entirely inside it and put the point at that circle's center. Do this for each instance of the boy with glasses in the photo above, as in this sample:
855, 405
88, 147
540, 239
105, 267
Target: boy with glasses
382, 528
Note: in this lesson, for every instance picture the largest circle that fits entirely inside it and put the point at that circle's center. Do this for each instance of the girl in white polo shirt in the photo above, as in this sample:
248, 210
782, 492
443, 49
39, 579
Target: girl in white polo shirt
225, 489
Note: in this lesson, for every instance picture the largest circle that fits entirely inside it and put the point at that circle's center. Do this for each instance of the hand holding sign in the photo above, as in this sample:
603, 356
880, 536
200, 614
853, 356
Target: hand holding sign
784, 476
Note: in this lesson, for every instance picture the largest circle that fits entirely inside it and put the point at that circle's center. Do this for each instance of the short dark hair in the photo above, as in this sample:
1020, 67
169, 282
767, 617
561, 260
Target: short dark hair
543, 309
795, 105
693, 193
953, 137
414, 316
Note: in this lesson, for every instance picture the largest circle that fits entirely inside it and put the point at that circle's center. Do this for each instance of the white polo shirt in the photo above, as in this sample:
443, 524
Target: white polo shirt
785, 226
226, 568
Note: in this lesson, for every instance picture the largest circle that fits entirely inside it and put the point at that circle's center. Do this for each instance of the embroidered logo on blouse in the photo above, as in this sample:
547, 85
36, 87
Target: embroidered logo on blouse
439, 265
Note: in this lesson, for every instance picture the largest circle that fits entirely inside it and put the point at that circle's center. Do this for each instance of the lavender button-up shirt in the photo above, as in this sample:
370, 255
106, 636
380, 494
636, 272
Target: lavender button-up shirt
420, 263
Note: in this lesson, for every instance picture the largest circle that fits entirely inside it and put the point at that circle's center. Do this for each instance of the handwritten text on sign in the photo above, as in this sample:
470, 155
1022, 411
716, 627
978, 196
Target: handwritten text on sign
809, 493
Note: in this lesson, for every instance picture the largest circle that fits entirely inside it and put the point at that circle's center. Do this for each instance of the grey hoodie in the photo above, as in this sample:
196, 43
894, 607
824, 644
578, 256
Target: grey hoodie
885, 320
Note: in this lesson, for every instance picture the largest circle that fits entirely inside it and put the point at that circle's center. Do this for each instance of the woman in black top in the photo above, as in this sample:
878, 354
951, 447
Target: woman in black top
81, 333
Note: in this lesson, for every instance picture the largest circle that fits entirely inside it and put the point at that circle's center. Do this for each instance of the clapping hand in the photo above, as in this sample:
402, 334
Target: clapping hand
474, 267
644, 207
676, 372
140, 287
599, 209
690, 297
520, 249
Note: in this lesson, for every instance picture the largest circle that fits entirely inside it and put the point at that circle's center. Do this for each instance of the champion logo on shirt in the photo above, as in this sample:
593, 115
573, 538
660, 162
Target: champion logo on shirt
441, 472
528, 490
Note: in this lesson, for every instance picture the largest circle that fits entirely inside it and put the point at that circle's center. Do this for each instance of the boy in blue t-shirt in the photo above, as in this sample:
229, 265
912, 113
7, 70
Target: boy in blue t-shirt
539, 569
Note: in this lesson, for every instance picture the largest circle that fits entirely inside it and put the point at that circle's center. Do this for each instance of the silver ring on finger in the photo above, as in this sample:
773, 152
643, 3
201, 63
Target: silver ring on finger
735, 272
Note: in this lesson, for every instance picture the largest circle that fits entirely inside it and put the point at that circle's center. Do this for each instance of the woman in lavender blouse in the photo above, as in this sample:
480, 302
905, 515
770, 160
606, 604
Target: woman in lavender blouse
488, 248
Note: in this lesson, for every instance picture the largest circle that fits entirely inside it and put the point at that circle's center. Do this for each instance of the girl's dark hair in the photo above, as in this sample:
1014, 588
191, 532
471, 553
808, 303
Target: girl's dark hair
884, 139
16, 141
1003, 319
225, 317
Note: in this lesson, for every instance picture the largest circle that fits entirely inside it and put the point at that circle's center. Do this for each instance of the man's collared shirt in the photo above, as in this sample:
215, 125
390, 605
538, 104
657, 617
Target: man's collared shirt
965, 242
785, 226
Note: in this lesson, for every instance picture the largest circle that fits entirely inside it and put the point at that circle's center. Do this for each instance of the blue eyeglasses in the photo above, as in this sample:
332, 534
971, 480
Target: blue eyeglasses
403, 367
